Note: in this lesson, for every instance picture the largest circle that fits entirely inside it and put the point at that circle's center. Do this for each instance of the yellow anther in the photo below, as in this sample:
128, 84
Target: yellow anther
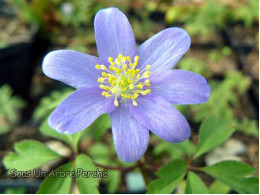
116, 102
104, 74
110, 59
111, 68
146, 74
102, 67
148, 67
121, 79
98, 66
131, 86
113, 90
101, 79
120, 56
140, 86
147, 81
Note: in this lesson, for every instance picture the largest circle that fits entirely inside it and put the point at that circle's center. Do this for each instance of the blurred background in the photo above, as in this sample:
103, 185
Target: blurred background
225, 50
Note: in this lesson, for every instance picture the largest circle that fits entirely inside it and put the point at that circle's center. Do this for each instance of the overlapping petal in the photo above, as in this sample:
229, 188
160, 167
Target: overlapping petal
114, 34
164, 50
79, 110
130, 137
180, 87
158, 115
71, 67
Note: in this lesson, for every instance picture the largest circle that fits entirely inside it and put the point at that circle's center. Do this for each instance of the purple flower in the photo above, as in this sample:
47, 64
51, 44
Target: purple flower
136, 86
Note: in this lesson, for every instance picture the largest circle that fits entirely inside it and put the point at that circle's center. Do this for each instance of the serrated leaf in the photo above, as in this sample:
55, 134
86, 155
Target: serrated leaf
30, 154
236, 175
55, 184
169, 177
213, 132
86, 185
195, 185
218, 187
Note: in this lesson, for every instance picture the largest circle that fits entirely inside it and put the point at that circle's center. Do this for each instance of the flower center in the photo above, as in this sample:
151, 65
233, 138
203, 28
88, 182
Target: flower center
122, 79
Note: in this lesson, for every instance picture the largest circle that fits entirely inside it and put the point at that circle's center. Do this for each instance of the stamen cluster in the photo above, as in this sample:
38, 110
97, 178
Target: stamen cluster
121, 79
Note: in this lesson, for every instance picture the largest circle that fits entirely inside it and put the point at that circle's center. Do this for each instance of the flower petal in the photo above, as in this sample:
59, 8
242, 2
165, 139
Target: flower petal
71, 67
79, 110
180, 87
114, 34
161, 118
164, 49
130, 137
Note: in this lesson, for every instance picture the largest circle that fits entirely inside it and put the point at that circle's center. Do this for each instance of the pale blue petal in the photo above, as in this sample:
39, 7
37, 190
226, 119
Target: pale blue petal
130, 137
164, 49
71, 67
180, 87
114, 34
158, 115
79, 110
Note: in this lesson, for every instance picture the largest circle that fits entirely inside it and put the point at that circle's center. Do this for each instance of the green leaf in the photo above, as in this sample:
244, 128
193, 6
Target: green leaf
195, 185
169, 177
99, 126
113, 181
48, 131
86, 185
218, 187
56, 183
29, 154
71, 140
49, 103
213, 132
235, 174
15, 191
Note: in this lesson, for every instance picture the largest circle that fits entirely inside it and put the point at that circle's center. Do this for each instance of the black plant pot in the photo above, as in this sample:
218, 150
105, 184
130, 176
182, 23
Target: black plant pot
17, 62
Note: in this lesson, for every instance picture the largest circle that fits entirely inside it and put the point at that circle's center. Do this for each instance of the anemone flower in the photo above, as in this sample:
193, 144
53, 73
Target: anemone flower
136, 86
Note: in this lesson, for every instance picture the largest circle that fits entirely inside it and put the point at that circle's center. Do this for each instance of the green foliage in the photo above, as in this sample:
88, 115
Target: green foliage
195, 185
248, 127
15, 191
10, 106
29, 155
99, 126
247, 13
213, 132
169, 177
86, 185
194, 65
218, 55
218, 187
56, 184
113, 181
236, 175
49, 103
229, 89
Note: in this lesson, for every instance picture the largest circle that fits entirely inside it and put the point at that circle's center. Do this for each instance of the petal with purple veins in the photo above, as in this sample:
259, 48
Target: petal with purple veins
79, 110
114, 34
130, 137
158, 115
180, 87
164, 50
71, 67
